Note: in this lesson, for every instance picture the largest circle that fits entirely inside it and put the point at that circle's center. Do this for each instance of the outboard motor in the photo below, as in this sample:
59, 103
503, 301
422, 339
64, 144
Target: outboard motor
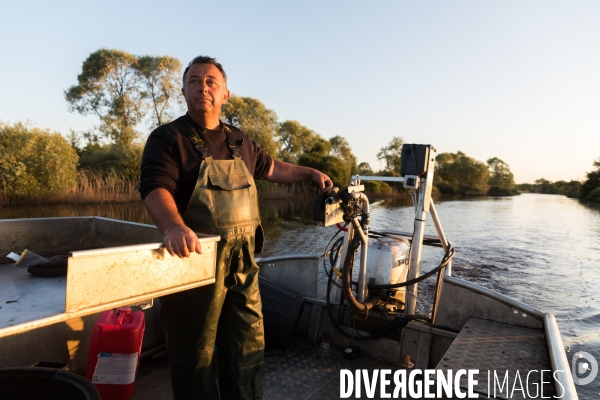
388, 272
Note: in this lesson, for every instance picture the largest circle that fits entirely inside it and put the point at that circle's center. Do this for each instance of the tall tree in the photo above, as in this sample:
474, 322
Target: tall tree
251, 116
365, 169
301, 145
341, 149
320, 157
295, 140
122, 90
161, 86
457, 173
109, 87
502, 182
591, 183
392, 154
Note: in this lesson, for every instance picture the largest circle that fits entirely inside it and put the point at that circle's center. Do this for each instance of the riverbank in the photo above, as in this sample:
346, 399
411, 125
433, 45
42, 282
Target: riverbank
112, 188
100, 188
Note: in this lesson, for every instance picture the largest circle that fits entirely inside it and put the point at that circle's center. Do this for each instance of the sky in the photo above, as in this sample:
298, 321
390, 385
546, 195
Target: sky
517, 80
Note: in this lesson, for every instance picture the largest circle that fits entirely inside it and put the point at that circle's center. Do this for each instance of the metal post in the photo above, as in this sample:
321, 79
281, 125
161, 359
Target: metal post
441, 235
362, 273
416, 248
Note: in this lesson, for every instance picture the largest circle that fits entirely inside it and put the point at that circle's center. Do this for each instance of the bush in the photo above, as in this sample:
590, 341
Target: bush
35, 162
377, 187
594, 195
501, 191
334, 167
124, 161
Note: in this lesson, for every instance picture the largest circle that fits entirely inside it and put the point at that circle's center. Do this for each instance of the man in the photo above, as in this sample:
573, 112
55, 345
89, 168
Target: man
198, 176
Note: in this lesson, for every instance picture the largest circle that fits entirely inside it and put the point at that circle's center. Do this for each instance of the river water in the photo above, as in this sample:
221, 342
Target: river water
543, 250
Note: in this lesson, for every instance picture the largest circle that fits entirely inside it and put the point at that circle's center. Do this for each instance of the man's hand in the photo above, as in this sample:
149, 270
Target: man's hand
181, 241
324, 182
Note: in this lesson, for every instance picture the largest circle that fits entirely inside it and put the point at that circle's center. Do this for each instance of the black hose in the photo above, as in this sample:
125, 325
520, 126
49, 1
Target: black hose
347, 279
395, 324
447, 258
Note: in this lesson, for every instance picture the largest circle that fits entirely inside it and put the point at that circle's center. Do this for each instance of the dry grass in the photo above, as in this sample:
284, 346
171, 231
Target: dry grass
268, 190
94, 187
91, 187
112, 187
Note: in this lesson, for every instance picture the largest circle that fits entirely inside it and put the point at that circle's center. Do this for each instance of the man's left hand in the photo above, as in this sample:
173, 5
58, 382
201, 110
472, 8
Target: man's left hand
324, 182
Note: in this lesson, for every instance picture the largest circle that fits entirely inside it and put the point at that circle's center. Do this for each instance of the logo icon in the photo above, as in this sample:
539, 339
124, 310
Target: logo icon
195, 138
581, 363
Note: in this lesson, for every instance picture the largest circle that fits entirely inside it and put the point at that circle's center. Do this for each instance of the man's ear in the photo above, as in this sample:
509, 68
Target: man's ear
226, 96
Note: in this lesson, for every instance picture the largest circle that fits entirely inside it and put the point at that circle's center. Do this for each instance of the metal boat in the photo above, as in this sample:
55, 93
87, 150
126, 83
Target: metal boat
364, 333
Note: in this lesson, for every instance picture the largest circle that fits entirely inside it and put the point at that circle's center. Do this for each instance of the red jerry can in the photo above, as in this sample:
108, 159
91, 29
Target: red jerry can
114, 354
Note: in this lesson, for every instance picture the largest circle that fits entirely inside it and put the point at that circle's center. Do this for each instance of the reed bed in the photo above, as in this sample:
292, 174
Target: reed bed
267, 190
93, 187
102, 187
90, 187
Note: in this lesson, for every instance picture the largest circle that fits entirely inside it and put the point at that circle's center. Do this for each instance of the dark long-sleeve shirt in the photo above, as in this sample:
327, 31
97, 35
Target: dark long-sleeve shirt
171, 161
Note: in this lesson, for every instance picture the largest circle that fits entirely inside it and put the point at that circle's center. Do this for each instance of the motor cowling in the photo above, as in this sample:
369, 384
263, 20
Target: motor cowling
388, 261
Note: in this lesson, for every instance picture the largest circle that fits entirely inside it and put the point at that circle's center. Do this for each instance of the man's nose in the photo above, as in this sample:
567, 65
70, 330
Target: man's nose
203, 87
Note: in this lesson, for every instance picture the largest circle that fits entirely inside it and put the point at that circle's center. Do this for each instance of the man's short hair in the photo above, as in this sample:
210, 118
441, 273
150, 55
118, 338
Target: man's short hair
204, 60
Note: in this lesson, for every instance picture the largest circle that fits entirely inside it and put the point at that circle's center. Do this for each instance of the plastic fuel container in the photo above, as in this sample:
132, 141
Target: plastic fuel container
114, 354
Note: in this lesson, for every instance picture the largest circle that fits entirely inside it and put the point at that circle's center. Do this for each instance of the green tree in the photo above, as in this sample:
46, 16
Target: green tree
123, 90
365, 169
341, 149
594, 195
319, 157
374, 187
301, 145
591, 183
457, 173
110, 88
501, 181
570, 189
35, 162
546, 187
392, 154
294, 139
108, 158
251, 116
161, 86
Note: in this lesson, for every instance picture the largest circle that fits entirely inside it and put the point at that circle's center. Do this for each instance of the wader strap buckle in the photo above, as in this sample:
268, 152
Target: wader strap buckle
232, 142
200, 145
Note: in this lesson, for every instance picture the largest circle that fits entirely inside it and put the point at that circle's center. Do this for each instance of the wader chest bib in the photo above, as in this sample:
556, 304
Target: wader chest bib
228, 312
224, 201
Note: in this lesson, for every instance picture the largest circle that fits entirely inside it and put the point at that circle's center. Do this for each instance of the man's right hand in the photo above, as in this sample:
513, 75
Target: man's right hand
181, 241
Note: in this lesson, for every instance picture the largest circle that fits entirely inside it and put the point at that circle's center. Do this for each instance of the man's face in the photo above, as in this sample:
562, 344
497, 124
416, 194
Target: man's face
205, 90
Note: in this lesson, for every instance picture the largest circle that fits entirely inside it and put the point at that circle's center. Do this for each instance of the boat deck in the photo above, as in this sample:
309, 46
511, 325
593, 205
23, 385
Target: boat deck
503, 350
303, 371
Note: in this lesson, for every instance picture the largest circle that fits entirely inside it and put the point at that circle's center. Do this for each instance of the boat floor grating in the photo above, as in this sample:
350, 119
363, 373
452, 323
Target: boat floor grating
304, 371
495, 348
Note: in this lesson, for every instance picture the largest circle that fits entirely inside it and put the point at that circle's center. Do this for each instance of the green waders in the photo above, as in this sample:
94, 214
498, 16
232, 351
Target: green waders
227, 313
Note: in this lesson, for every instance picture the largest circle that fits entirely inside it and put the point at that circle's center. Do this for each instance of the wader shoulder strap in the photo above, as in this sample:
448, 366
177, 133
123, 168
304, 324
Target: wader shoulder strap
232, 142
199, 144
